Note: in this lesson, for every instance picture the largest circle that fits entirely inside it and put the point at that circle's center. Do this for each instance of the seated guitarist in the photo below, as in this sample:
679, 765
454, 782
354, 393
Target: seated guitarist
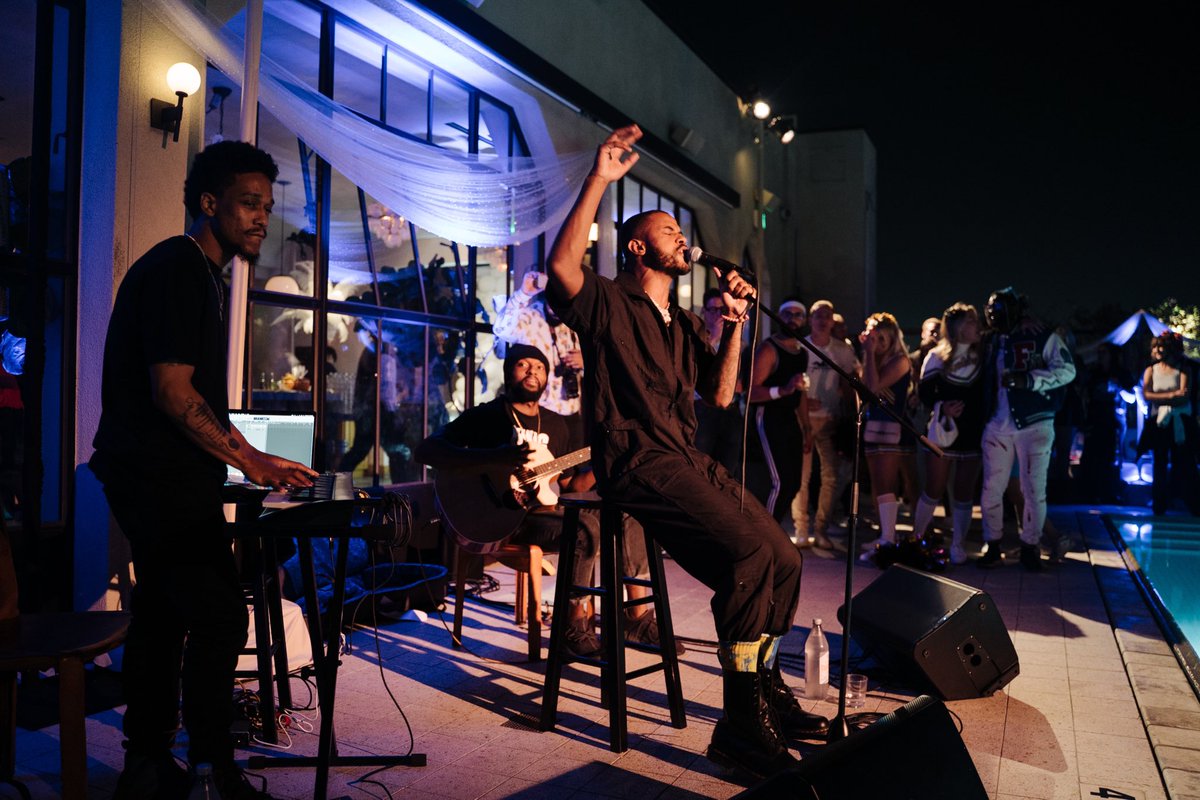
506, 431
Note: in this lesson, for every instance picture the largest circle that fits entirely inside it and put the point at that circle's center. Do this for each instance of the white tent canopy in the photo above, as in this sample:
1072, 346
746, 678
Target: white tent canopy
1125, 331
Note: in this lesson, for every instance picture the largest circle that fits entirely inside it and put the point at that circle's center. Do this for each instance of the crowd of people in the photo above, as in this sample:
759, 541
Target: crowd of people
1011, 400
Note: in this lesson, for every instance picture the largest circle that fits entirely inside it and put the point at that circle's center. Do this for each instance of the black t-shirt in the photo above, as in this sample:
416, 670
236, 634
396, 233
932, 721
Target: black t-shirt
169, 309
496, 423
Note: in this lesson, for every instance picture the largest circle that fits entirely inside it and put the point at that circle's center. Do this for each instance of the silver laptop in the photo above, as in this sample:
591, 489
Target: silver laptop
290, 435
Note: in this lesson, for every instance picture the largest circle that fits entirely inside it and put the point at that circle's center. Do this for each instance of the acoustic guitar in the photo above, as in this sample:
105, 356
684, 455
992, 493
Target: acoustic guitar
484, 506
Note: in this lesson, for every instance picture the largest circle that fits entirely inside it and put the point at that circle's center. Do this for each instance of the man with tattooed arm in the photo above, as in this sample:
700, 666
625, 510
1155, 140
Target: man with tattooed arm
162, 447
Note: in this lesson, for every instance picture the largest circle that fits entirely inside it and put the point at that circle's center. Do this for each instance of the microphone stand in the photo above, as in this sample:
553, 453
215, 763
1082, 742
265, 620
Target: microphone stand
839, 727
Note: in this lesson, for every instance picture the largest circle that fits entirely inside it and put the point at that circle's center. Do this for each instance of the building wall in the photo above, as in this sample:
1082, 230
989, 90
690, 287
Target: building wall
821, 237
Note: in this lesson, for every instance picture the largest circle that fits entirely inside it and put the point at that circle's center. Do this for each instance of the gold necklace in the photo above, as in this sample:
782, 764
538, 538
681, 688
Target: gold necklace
216, 284
538, 416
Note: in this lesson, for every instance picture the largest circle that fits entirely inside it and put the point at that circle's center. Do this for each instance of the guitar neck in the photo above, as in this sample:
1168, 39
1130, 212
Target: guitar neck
557, 465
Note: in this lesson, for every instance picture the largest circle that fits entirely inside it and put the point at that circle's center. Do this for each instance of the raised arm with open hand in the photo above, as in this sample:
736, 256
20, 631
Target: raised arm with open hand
614, 158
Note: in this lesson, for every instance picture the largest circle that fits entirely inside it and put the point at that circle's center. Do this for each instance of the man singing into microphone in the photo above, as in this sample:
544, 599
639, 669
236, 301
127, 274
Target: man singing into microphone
645, 358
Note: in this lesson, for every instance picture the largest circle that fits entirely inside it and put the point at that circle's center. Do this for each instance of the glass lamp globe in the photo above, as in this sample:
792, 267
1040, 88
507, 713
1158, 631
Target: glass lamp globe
183, 78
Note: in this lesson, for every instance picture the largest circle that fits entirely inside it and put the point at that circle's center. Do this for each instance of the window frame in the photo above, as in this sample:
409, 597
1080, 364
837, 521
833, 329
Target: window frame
378, 316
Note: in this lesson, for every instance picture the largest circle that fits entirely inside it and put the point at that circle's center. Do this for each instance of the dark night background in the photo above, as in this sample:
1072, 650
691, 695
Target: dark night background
1047, 146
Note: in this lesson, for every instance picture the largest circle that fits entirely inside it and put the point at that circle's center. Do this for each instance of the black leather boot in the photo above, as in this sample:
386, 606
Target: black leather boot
747, 737
1031, 557
794, 721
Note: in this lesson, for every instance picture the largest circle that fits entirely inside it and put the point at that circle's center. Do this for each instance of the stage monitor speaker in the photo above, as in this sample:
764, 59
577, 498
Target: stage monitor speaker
914, 753
934, 633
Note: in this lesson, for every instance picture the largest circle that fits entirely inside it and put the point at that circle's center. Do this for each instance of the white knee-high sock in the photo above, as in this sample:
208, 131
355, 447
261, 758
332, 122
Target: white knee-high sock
888, 507
926, 505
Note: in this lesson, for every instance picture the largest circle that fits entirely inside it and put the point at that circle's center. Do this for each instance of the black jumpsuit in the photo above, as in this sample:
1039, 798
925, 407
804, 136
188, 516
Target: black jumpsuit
641, 376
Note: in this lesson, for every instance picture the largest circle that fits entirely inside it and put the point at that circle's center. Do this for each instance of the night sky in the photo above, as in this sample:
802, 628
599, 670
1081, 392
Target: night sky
1047, 147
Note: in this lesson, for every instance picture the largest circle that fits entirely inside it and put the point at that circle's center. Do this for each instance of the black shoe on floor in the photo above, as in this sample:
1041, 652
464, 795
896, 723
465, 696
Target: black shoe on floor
581, 642
152, 776
992, 558
1031, 557
747, 737
644, 630
794, 721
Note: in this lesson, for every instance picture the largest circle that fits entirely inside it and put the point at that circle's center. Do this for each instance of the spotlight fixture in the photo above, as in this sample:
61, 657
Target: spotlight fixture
183, 79
784, 128
761, 109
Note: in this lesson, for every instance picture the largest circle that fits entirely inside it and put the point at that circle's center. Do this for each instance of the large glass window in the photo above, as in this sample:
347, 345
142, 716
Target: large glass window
404, 313
281, 370
407, 94
291, 37
358, 70
451, 123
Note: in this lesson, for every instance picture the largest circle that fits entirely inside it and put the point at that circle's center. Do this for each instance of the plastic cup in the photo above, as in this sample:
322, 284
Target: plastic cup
856, 690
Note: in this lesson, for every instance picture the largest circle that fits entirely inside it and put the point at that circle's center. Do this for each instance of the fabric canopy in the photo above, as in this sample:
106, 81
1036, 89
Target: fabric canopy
1125, 331
479, 200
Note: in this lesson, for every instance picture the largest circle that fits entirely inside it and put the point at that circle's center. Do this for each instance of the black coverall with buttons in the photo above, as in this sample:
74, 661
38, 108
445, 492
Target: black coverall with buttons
641, 374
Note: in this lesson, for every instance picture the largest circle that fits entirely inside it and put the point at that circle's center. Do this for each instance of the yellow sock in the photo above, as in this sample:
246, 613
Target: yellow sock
768, 650
739, 656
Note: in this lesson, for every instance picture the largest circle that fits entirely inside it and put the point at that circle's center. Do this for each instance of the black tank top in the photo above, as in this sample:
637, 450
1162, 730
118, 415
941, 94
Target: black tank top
787, 365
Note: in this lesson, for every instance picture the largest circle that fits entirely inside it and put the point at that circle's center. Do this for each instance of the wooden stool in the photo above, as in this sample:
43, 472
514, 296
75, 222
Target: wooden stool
64, 642
526, 561
613, 676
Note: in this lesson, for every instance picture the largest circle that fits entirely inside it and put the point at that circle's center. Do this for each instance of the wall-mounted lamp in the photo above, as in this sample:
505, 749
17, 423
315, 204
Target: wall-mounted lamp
183, 79
784, 128
761, 109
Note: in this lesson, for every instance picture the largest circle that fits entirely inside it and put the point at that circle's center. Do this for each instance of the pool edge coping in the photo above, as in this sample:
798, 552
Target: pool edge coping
1167, 699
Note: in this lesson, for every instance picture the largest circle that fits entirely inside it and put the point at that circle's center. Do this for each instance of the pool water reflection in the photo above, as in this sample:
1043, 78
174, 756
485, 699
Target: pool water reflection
1168, 552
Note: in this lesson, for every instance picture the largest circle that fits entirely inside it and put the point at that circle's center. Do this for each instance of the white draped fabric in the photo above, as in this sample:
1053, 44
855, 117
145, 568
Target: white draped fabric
472, 199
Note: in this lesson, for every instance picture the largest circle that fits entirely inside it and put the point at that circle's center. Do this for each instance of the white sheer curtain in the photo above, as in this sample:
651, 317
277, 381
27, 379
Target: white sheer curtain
474, 200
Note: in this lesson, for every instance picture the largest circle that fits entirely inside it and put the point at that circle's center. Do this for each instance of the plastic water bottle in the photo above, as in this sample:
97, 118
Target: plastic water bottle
816, 663
205, 787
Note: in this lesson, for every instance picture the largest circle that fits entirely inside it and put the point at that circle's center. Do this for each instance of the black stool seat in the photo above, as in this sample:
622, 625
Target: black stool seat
613, 675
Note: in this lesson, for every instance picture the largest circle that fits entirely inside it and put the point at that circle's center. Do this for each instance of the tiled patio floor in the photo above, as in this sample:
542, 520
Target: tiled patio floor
1100, 709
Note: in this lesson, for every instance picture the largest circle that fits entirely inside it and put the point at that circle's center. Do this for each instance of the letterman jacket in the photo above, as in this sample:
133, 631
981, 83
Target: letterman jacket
1044, 358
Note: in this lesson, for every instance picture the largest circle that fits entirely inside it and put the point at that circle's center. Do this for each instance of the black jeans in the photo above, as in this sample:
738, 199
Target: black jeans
1174, 472
734, 548
189, 624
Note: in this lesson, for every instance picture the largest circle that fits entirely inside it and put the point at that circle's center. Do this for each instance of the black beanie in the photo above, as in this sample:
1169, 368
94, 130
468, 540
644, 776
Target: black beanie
516, 352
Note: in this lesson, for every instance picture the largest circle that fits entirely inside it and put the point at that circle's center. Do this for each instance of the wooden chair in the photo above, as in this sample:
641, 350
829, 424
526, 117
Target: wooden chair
524, 559
64, 642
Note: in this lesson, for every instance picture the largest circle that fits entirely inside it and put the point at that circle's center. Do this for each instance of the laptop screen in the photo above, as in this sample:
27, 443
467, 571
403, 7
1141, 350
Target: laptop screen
288, 435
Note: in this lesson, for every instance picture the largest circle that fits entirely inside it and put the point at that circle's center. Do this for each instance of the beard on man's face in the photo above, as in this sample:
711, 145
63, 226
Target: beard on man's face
669, 261
520, 393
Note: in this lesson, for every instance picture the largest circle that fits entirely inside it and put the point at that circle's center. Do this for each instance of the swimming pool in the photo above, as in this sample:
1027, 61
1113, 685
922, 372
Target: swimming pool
1164, 554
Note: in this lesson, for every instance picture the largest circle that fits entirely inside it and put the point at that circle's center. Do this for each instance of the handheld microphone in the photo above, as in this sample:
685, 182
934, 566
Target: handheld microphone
698, 256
